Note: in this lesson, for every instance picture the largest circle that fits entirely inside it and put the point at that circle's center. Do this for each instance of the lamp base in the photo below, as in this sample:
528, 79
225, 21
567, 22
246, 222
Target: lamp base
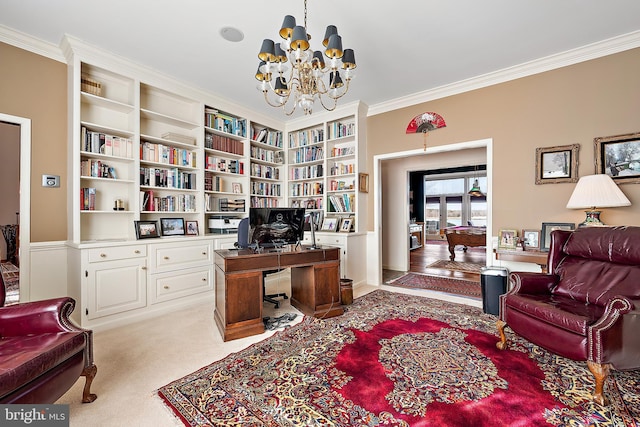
592, 220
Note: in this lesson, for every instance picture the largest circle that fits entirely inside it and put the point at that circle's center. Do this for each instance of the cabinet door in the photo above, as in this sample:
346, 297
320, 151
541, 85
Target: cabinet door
115, 287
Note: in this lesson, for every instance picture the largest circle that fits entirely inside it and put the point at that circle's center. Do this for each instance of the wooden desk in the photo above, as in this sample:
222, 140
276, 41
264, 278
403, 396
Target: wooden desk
465, 236
315, 286
536, 257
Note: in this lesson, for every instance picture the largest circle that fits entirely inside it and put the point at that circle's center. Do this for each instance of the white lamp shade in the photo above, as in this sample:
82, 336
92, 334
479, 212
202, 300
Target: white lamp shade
597, 191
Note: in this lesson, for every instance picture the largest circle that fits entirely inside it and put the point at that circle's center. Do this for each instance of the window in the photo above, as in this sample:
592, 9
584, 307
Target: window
448, 203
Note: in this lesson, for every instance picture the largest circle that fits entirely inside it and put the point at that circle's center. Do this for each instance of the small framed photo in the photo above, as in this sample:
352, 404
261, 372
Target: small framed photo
508, 239
172, 226
236, 187
557, 164
363, 182
330, 224
146, 229
531, 239
345, 226
192, 228
619, 157
547, 228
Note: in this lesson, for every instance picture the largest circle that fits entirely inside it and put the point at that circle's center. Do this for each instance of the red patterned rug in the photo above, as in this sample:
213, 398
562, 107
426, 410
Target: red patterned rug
465, 288
398, 360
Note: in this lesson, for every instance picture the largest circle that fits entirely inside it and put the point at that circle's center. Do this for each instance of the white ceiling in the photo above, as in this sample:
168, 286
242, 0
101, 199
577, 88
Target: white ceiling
402, 47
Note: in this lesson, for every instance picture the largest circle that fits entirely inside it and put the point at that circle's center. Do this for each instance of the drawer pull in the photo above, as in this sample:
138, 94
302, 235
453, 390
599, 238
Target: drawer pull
204, 253
166, 287
103, 255
137, 251
143, 267
166, 257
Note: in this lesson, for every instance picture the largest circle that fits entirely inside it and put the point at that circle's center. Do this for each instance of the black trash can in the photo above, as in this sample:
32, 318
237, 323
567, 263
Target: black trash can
493, 283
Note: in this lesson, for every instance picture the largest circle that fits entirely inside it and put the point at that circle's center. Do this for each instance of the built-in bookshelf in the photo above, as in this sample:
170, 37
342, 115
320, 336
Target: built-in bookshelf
306, 168
226, 166
267, 164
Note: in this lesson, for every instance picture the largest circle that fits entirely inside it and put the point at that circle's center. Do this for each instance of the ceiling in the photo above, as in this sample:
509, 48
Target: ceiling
402, 47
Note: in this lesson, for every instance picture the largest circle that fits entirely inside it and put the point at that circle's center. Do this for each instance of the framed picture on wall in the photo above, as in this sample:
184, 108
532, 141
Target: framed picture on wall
619, 157
557, 164
547, 228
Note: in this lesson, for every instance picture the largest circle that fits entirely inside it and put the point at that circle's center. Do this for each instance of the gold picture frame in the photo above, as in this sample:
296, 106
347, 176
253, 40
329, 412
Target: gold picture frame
619, 157
557, 164
508, 239
363, 182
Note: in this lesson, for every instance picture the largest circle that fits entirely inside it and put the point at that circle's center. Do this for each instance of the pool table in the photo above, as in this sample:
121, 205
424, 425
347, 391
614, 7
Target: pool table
465, 236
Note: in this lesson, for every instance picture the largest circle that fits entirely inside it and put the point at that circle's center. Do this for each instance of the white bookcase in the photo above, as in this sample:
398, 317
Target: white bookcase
267, 167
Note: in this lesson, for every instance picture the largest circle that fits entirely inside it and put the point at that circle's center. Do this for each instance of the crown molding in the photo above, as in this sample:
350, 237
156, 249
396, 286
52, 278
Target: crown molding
548, 63
27, 42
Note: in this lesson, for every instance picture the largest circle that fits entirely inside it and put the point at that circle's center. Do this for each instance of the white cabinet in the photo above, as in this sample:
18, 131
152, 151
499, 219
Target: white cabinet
352, 253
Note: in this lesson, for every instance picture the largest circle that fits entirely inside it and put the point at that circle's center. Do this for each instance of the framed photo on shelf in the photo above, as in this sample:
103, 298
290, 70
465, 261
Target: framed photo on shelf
363, 182
557, 164
236, 187
329, 224
192, 228
531, 239
508, 239
146, 229
172, 226
619, 157
345, 226
547, 228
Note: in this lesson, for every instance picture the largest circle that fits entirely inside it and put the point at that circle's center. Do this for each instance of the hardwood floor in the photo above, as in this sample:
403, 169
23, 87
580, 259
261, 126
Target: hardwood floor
421, 258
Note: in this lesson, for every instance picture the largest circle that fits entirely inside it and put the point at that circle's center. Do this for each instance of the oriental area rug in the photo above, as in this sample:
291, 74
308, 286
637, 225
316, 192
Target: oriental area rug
398, 360
465, 288
469, 267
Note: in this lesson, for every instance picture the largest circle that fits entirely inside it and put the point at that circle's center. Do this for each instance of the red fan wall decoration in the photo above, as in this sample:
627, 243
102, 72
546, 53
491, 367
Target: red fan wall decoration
423, 123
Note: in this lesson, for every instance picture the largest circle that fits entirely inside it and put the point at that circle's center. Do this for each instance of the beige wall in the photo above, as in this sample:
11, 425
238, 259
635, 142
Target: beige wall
35, 87
570, 105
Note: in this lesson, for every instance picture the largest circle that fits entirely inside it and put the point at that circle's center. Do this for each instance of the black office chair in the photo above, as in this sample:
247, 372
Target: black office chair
243, 242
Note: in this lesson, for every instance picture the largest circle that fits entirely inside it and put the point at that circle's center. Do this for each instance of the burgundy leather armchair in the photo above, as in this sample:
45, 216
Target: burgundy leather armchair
588, 307
42, 353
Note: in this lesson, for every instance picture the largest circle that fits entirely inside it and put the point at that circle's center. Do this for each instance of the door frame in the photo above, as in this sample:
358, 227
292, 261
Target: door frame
24, 251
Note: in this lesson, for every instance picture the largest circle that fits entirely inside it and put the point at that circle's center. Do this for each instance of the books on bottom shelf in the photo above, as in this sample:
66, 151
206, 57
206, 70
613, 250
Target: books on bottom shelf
342, 203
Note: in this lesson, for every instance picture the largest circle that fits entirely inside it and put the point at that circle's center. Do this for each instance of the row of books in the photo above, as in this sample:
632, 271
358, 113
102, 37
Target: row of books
219, 164
341, 185
307, 154
217, 183
308, 204
266, 189
342, 169
306, 172
149, 202
223, 143
342, 202
258, 153
261, 202
224, 122
169, 155
267, 136
167, 178
343, 151
305, 189
305, 137
88, 199
340, 130
97, 169
262, 171
102, 143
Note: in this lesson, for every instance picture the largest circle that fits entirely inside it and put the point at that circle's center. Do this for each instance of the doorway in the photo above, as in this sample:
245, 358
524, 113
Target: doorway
15, 160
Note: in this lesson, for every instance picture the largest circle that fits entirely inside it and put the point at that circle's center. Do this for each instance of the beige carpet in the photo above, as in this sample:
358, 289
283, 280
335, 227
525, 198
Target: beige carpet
135, 360
469, 267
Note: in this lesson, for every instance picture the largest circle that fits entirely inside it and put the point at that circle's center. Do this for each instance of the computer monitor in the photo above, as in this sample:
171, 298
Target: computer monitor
270, 227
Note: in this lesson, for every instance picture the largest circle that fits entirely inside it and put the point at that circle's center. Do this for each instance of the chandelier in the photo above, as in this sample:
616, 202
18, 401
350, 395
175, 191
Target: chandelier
309, 77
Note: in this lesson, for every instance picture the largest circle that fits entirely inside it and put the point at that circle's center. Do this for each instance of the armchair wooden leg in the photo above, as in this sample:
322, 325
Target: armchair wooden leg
89, 373
502, 344
600, 372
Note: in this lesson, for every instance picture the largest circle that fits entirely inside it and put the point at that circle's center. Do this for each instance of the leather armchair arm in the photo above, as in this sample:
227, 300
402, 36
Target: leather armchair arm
532, 283
614, 337
37, 317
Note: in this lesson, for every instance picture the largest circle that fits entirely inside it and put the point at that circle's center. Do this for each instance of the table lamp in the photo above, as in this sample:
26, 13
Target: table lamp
596, 191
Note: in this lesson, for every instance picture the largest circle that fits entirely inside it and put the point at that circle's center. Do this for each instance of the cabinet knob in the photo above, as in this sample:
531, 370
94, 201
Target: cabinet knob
204, 253
143, 267
137, 251
166, 257
204, 279
103, 255
166, 287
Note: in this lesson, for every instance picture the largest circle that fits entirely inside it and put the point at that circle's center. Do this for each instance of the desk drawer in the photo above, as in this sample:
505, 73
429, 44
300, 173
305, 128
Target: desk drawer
115, 253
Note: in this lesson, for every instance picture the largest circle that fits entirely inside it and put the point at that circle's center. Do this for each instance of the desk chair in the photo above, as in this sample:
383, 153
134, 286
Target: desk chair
243, 242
